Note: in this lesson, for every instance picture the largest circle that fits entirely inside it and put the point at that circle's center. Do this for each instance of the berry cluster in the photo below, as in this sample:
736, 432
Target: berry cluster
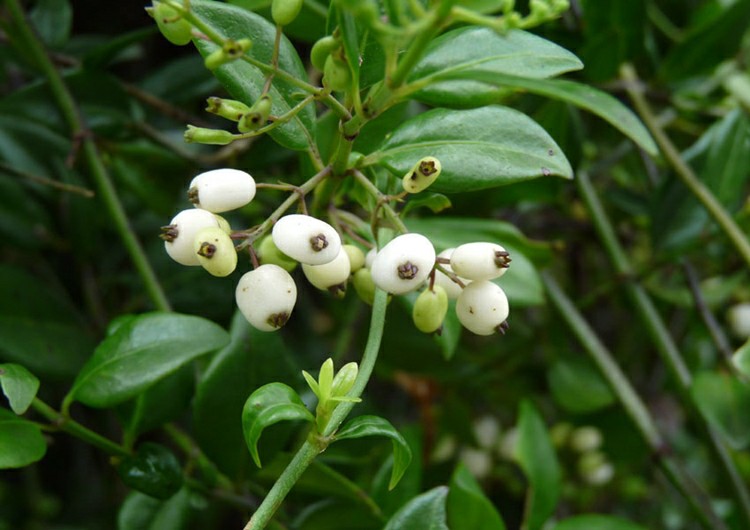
266, 295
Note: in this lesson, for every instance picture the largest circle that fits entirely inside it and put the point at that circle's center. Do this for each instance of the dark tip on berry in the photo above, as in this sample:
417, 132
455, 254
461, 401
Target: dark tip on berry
502, 259
278, 319
407, 271
318, 242
207, 250
427, 167
413, 175
502, 327
193, 195
339, 291
169, 233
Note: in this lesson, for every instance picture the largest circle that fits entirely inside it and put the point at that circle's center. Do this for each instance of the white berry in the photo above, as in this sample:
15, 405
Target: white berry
451, 287
180, 234
480, 261
266, 297
330, 276
403, 264
482, 307
215, 250
221, 190
306, 239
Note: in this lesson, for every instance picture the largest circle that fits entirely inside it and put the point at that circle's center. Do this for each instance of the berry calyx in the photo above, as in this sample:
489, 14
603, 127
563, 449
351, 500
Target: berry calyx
403, 264
266, 297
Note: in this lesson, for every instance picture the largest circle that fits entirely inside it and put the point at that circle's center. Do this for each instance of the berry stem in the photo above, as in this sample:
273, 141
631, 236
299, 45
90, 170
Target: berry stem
382, 203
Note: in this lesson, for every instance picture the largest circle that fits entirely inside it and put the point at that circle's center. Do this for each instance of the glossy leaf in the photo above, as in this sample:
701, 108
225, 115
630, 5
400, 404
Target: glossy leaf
480, 148
141, 352
741, 358
266, 406
391, 501
435, 202
376, 426
142, 512
724, 400
537, 458
52, 20
153, 470
578, 387
477, 49
424, 512
244, 81
19, 386
21, 441
598, 522
467, 506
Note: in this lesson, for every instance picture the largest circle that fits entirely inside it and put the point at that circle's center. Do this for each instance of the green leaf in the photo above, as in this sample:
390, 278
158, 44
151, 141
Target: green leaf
424, 512
596, 522
334, 514
464, 51
140, 353
577, 386
436, 202
536, 456
376, 426
245, 82
142, 512
479, 148
21, 441
724, 401
19, 386
266, 406
410, 485
467, 506
153, 470
52, 20
589, 98
741, 358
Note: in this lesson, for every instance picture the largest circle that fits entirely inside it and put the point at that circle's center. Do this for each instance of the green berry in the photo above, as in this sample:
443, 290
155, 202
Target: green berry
430, 309
257, 116
422, 175
321, 50
201, 135
215, 251
356, 257
330, 276
363, 284
284, 12
336, 74
228, 109
224, 224
175, 29
230, 51
268, 252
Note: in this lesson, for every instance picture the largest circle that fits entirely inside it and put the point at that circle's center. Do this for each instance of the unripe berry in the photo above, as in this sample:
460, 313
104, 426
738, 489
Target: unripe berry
480, 261
330, 276
306, 239
482, 308
266, 297
452, 289
180, 233
257, 116
229, 109
268, 252
202, 135
175, 29
230, 51
364, 286
336, 74
356, 257
403, 264
221, 190
422, 175
585, 439
216, 252
223, 224
284, 12
738, 318
430, 309
321, 50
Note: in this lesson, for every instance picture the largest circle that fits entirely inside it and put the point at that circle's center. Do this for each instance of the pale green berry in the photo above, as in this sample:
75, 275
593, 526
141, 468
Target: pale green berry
221, 190
202, 135
306, 239
738, 318
370, 257
430, 309
595, 469
229, 109
283, 12
477, 461
180, 233
482, 308
356, 257
486, 431
336, 74
422, 175
223, 224
585, 439
175, 29
364, 286
216, 252
268, 252
403, 264
330, 276
266, 297
480, 261
451, 288
321, 50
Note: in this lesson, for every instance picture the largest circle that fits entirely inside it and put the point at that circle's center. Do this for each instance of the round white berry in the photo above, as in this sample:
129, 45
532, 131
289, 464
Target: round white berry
444, 281
306, 239
266, 297
221, 190
330, 276
215, 250
370, 257
180, 234
480, 261
482, 307
403, 264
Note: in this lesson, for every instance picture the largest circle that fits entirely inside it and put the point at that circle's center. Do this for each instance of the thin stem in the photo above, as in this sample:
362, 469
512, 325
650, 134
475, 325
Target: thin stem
74, 428
382, 201
682, 169
98, 171
70, 188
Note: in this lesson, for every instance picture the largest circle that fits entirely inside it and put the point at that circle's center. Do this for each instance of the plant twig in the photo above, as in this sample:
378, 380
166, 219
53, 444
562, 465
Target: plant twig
70, 188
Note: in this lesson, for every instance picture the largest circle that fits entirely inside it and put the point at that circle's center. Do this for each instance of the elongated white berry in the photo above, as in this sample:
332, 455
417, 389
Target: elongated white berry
215, 250
403, 264
306, 239
452, 289
480, 261
356, 257
221, 190
330, 276
266, 297
482, 308
180, 233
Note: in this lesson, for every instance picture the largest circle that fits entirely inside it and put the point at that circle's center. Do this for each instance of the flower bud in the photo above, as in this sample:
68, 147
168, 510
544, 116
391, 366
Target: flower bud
430, 309
403, 264
482, 308
216, 252
266, 297
180, 233
257, 116
356, 257
227, 108
201, 135
344, 380
330, 276
480, 261
221, 190
283, 12
230, 51
321, 50
422, 175
268, 252
306, 239
175, 29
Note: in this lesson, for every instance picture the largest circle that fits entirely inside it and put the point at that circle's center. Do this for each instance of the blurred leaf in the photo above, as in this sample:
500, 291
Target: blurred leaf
116, 49
19, 386
140, 353
578, 387
153, 470
180, 81
598, 522
350, 39
266, 406
468, 508
424, 512
52, 20
436, 202
390, 501
725, 170
376, 426
537, 458
333, 514
741, 358
21, 441
724, 400
307, 27
464, 51
245, 82
478, 149
142, 512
